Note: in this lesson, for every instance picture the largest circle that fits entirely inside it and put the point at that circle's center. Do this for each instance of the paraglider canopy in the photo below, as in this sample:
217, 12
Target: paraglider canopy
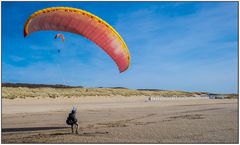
62, 37
84, 23
59, 35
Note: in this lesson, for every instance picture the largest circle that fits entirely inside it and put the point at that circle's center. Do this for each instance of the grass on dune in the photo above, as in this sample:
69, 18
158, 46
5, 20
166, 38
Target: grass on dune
23, 92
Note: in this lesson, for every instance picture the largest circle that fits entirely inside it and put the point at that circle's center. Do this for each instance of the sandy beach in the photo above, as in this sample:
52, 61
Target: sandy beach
120, 120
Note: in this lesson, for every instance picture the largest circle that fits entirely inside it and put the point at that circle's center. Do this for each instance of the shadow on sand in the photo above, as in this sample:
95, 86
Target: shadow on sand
30, 129
92, 133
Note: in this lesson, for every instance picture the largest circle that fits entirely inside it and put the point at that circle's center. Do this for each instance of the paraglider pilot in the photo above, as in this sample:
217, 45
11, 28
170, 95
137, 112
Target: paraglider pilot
72, 120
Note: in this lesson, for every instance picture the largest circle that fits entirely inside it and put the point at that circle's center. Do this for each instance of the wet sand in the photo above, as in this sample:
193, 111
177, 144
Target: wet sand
120, 120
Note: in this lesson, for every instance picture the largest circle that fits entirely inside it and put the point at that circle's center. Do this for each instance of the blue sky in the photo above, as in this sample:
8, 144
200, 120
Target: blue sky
191, 46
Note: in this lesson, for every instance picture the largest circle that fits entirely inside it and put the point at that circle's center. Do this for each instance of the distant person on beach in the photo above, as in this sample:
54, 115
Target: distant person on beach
72, 120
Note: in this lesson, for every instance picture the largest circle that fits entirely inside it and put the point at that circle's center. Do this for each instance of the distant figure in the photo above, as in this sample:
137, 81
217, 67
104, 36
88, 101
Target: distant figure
72, 120
58, 51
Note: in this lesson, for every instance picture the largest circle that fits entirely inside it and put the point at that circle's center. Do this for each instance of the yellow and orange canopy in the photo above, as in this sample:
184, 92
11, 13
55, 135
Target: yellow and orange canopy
84, 23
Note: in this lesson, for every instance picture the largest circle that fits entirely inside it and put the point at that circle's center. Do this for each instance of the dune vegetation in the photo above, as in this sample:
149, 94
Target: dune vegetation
53, 91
